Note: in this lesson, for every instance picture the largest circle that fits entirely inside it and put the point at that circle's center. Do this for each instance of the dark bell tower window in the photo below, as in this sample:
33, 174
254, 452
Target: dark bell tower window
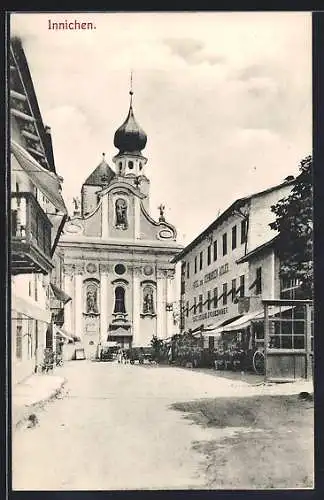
130, 165
140, 166
120, 167
119, 300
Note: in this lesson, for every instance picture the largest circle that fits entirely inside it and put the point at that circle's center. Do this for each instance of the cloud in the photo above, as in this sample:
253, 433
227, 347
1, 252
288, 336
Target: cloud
233, 96
192, 51
251, 72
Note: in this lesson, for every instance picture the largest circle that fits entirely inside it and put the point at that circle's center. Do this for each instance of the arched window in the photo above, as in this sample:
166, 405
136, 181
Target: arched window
140, 165
119, 300
130, 165
120, 165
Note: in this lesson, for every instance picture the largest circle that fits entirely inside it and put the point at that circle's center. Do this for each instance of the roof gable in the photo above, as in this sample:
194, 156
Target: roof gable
101, 176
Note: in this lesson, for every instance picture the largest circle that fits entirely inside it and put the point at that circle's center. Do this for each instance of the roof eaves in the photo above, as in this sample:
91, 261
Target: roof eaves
213, 225
257, 250
220, 219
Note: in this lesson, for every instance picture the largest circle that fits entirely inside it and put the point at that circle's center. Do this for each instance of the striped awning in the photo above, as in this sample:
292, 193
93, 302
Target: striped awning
246, 320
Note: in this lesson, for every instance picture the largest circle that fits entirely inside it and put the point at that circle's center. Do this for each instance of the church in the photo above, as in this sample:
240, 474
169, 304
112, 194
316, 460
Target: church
117, 258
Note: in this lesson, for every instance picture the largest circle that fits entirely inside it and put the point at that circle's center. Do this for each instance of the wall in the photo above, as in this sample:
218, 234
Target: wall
261, 216
92, 225
33, 289
89, 198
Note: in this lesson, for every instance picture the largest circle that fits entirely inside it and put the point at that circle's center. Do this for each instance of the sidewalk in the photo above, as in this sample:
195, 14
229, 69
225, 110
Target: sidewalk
32, 393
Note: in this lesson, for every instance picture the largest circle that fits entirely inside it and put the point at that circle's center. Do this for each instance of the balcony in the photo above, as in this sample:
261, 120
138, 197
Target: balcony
30, 236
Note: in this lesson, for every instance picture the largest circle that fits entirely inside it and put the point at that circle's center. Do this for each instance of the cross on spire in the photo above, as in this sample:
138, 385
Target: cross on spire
131, 88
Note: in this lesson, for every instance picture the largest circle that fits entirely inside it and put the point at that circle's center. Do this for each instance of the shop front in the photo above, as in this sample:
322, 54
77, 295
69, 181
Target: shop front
276, 341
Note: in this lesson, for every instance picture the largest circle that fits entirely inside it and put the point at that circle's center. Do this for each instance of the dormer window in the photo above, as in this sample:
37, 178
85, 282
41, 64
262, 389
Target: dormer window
130, 165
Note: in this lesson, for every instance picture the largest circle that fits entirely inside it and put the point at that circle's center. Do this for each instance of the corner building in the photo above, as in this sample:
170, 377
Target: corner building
117, 258
217, 284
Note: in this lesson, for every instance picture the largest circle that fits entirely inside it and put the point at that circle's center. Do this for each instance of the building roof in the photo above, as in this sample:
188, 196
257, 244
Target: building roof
43, 179
130, 137
43, 131
101, 176
239, 203
258, 250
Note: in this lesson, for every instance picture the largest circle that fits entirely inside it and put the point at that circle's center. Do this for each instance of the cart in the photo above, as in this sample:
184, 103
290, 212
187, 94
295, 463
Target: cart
140, 354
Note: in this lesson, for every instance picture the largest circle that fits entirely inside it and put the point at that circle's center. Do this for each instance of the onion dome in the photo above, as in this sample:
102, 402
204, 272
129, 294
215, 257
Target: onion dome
130, 137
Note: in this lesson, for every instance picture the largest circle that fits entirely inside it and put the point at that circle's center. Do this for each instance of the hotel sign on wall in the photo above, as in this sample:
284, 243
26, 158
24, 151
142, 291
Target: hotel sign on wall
219, 271
210, 314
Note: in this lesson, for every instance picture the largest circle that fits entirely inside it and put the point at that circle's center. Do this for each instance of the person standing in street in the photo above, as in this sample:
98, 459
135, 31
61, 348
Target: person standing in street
120, 356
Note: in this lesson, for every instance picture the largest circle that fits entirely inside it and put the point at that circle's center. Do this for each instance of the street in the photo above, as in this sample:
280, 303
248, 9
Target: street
114, 428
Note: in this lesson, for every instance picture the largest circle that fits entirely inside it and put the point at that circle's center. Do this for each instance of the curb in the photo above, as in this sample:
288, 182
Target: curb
38, 405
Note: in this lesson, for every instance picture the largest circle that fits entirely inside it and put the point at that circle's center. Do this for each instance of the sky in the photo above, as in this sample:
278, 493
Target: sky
224, 98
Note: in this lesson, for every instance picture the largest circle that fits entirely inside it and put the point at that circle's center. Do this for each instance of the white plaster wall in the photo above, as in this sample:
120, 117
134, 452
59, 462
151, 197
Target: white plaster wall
268, 261
261, 216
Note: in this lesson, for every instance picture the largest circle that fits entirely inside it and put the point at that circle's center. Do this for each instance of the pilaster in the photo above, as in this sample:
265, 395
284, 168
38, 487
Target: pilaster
103, 305
78, 309
136, 304
169, 300
161, 303
105, 218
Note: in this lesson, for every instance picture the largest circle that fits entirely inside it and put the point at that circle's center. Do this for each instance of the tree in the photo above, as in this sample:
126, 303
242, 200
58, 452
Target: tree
157, 347
294, 221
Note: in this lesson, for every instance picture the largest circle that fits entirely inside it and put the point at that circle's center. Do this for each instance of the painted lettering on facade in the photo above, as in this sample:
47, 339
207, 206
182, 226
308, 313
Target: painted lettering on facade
210, 314
211, 276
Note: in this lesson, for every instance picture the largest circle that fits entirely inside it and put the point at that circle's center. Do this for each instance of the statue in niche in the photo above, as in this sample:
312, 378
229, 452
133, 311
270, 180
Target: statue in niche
121, 214
148, 303
92, 307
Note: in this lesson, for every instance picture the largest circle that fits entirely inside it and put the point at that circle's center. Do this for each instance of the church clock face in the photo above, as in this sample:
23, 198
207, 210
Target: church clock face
148, 270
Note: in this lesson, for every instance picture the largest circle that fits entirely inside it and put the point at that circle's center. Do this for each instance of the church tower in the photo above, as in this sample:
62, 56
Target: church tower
117, 257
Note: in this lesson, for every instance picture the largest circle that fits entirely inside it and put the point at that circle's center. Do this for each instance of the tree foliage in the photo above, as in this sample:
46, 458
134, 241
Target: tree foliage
294, 221
157, 347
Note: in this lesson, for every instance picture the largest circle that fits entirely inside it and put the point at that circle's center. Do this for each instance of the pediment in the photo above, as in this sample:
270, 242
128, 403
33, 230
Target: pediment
120, 187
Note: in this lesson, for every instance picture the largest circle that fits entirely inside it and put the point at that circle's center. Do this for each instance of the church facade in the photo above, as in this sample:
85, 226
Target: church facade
117, 258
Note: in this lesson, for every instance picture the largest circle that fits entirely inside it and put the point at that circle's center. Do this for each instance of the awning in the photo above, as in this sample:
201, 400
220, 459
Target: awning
46, 181
29, 309
60, 294
62, 333
219, 327
246, 319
